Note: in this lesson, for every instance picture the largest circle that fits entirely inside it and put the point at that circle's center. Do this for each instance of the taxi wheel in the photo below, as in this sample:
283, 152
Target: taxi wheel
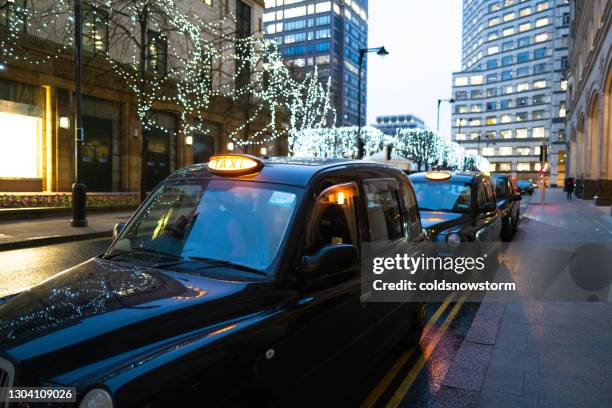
419, 319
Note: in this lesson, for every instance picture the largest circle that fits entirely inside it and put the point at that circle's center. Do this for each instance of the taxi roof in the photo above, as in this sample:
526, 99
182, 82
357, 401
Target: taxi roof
285, 170
457, 176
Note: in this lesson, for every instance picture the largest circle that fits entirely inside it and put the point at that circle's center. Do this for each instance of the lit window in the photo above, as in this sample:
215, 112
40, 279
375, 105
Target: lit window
476, 79
474, 135
537, 166
542, 6
540, 22
505, 151
506, 118
507, 89
460, 136
521, 133
509, 17
461, 81
95, 30
476, 108
506, 134
524, 27
538, 132
491, 120
523, 151
492, 36
522, 87
488, 151
504, 166
19, 155
508, 31
539, 84
541, 37
475, 122
210, 2
539, 114
461, 109
525, 11
563, 85
493, 21
523, 166
493, 50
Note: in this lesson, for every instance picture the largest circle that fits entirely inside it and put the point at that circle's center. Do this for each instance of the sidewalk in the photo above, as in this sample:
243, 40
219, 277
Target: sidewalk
39, 232
535, 353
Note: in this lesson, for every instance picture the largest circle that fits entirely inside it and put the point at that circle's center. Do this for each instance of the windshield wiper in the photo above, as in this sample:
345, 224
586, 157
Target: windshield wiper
230, 264
146, 251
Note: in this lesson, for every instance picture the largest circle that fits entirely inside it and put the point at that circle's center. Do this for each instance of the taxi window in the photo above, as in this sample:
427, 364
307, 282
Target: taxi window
383, 209
333, 219
501, 188
412, 220
482, 195
227, 220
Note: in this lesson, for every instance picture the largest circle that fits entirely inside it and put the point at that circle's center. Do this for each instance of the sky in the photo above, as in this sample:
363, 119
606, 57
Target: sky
423, 38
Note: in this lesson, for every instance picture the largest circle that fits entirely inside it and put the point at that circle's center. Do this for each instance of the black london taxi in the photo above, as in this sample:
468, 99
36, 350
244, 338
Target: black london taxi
508, 202
236, 283
457, 207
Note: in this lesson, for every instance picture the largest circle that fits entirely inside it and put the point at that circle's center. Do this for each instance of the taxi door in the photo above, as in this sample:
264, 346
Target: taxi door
393, 228
329, 337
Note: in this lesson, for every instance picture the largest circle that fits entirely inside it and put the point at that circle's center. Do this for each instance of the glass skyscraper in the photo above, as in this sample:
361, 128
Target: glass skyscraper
328, 34
510, 94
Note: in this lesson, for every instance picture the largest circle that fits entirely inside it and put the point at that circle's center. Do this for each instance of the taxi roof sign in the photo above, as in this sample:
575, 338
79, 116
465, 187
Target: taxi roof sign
438, 175
234, 164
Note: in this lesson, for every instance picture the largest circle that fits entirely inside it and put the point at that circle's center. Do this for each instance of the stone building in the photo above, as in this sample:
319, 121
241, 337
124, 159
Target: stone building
37, 121
589, 118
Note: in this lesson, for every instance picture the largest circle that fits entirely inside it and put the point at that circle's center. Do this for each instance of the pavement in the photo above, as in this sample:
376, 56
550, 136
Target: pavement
40, 232
534, 353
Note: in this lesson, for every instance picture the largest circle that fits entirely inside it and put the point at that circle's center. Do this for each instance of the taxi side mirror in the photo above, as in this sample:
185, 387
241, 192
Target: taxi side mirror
117, 229
329, 259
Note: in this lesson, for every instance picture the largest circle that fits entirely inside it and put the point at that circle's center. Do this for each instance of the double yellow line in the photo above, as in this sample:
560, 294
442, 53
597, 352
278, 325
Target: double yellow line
428, 348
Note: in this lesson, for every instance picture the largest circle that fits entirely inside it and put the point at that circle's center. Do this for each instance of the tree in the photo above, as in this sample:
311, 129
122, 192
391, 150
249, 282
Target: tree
419, 146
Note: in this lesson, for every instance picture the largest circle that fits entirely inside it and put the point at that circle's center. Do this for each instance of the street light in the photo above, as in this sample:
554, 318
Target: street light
79, 190
451, 101
382, 51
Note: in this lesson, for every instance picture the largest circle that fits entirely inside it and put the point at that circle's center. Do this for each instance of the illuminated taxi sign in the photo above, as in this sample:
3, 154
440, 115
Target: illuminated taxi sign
438, 175
234, 164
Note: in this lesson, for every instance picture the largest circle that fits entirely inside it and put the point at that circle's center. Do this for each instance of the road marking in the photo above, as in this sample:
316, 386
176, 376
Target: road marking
383, 384
404, 387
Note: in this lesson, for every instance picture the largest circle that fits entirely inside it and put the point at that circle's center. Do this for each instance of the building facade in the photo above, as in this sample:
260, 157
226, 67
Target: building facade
328, 35
390, 124
589, 119
37, 104
510, 94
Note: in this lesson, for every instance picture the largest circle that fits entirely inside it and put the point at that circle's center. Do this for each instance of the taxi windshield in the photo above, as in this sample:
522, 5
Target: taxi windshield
227, 222
443, 196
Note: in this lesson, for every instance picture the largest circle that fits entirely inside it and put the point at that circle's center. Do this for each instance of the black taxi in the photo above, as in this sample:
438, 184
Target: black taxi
457, 207
235, 283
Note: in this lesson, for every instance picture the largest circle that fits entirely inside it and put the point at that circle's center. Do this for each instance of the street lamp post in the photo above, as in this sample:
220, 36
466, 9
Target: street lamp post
362, 53
79, 190
451, 101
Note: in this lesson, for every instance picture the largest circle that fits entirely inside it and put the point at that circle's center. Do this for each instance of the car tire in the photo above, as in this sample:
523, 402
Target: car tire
419, 319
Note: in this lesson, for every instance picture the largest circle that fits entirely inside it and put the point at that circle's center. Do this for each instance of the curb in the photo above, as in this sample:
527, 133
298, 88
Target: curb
53, 239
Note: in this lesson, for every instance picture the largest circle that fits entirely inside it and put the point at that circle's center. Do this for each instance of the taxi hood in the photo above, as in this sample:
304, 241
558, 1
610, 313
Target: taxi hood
439, 220
102, 308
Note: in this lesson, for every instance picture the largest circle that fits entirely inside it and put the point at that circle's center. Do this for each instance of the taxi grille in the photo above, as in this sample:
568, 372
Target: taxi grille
7, 373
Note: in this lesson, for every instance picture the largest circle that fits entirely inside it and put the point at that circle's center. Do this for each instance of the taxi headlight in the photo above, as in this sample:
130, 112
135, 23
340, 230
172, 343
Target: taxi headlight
97, 398
453, 240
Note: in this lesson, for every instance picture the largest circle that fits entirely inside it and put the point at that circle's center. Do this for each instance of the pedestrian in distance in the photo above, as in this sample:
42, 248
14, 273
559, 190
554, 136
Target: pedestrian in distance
569, 187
